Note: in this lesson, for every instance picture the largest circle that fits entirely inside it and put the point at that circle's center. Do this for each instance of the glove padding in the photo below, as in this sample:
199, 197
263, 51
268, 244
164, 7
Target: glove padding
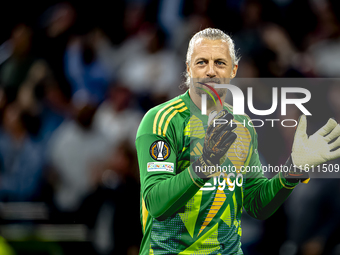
313, 150
218, 139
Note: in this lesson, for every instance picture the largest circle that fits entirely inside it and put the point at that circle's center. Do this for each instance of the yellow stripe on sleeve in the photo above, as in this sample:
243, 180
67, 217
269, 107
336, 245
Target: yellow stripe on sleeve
170, 117
159, 112
164, 115
145, 214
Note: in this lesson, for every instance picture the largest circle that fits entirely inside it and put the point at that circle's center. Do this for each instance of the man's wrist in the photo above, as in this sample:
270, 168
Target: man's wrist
294, 174
285, 183
199, 165
195, 177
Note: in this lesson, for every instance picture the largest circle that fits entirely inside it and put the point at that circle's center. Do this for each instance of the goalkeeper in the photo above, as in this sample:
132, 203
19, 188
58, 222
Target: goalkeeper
186, 207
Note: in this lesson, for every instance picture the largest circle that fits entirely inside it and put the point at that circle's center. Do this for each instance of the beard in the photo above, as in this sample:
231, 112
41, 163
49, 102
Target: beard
197, 84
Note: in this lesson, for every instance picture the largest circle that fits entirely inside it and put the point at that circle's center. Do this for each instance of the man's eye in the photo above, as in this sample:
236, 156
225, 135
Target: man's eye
201, 63
219, 63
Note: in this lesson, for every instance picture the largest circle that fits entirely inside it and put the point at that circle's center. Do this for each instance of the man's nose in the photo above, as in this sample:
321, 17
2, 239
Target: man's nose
211, 72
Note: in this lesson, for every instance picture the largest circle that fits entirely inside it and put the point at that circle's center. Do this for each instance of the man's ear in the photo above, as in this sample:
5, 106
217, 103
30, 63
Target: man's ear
188, 68
233, 72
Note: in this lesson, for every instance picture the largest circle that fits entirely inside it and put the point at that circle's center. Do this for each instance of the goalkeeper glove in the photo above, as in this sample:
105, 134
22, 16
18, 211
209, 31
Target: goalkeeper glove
313, 150
218, 139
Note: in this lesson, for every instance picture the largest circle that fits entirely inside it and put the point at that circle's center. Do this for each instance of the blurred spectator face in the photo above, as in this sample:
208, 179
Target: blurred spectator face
12, 119
156, 41
124, 160
323, 10
251, 13
275, 37
61, 18
133, 18
53, 95
120, 98
85, 116
211, 59
21, 38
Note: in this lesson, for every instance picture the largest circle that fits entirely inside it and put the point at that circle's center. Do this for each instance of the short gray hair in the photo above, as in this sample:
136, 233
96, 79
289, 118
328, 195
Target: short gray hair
211, 34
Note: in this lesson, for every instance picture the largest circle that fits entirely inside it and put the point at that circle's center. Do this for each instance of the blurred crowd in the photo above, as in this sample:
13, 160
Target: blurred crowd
76, 79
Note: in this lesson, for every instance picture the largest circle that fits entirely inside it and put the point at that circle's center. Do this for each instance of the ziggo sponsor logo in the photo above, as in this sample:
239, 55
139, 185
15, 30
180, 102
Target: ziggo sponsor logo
220, 182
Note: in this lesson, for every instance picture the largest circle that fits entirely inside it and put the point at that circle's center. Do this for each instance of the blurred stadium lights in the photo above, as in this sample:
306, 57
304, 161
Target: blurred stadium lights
36, 211
45, 232
23, 211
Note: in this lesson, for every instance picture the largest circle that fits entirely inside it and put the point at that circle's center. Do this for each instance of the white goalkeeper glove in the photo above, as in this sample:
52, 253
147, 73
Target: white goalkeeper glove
315, 149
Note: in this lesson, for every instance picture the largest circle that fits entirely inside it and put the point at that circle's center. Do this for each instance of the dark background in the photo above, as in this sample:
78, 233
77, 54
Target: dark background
76, 79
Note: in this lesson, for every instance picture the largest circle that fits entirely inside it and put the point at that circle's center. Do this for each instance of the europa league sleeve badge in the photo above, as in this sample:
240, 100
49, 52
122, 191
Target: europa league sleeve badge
160, 150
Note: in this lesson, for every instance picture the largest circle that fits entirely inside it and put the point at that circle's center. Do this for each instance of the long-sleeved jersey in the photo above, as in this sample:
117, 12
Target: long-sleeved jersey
184, 214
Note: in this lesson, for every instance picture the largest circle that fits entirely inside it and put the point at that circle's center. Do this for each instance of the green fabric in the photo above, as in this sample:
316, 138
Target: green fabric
184, 214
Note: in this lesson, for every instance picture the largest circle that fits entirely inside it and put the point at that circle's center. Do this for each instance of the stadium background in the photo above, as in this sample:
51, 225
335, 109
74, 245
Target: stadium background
75, 80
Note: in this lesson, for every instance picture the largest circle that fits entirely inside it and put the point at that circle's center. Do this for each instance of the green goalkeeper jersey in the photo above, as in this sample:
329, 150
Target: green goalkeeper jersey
182, 213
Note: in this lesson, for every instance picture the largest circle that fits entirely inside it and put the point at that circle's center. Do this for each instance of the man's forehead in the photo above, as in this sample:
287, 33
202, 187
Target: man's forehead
203, 41
203, 45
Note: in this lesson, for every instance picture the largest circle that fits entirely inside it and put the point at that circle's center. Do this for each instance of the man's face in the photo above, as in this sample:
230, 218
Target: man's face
210, 64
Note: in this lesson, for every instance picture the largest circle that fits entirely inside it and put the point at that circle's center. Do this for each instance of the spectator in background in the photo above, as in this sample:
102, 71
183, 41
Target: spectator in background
25, 79
88, 76
133, 25
39, 95
327, 25
170, 15
14, 69
324, 41
155, 70
56, 27
21, 162
197, 20
54, 107
267, 45
74, 151
276, 39
111, 224
116, 119
312, 227
248, 38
